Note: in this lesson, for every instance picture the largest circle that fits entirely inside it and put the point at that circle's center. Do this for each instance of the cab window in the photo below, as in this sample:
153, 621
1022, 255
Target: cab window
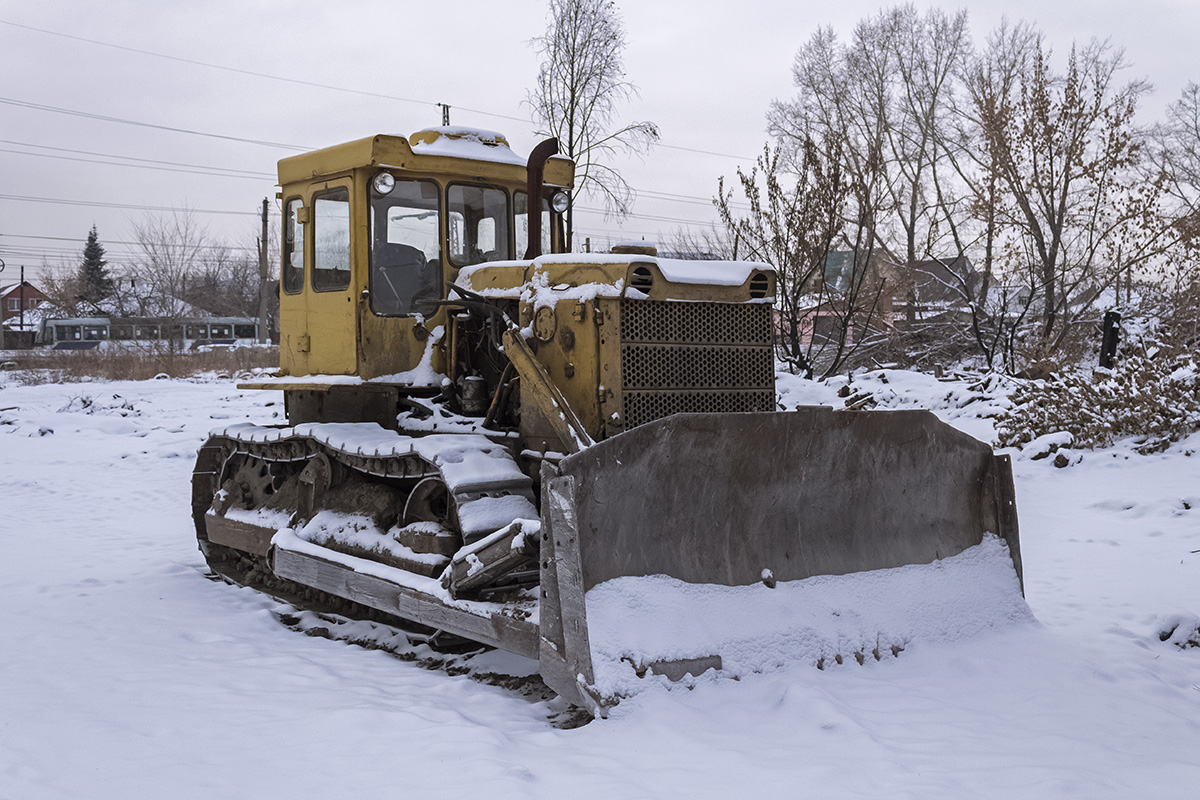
405, 254
521, 214
478, 227
331, 241
293, 247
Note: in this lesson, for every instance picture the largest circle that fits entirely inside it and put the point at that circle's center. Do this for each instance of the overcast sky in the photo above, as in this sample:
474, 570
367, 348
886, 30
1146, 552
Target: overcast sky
707, 71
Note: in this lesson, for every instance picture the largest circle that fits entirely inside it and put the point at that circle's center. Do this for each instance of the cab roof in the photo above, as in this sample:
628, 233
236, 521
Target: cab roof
453, 151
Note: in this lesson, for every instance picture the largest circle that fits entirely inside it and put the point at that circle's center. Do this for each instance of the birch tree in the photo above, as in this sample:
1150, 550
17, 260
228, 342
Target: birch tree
580, 84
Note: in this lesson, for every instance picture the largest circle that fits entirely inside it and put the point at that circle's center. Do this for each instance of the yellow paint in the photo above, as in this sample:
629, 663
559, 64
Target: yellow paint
336, 332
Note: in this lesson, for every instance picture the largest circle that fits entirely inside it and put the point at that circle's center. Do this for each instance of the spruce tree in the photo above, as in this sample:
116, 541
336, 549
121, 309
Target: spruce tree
95, 282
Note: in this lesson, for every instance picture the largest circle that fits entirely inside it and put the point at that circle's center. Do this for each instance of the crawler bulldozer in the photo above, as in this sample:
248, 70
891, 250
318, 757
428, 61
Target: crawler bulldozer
483, 427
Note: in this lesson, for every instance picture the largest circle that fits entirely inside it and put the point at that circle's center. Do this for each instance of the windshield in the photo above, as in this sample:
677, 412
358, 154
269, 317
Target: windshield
405, 263
478, 224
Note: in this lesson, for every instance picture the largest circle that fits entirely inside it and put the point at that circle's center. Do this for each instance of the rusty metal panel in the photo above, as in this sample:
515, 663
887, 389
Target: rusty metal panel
494, 629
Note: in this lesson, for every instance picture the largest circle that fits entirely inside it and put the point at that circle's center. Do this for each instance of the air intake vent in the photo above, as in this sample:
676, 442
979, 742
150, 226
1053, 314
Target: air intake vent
760, 284
641, 279
695, 358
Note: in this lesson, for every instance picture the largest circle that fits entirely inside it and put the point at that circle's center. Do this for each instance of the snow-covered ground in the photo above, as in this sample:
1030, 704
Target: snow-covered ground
127, 674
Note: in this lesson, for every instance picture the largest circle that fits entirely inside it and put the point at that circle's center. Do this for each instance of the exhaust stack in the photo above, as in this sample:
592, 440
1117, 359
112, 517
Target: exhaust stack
537, 166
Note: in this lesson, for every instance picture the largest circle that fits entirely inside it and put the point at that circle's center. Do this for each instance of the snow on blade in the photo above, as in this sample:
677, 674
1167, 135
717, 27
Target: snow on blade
635, 621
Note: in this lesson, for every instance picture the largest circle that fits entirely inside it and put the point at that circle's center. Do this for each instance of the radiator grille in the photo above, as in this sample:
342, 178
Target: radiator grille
695, 323
643, 407
664, 366
694, 358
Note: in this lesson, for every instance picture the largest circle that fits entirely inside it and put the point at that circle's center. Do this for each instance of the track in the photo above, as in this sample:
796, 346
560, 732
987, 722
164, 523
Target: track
357, 492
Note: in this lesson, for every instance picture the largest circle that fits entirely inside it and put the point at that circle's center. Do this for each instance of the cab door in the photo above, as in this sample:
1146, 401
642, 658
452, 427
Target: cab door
330, 318
399, 309
293, 278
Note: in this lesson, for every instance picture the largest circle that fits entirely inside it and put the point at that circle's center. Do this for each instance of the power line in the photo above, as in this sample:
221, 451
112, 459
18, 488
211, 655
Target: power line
105, 118
266, 75
330, 87
648, 217
201, 171
106, 242
136, 158
128, 206
223, 172
704, 152
136, 207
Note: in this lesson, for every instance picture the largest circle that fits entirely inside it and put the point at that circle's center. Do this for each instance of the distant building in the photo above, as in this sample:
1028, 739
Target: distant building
16, 297
20, 316
936, 290
823, 320
898, 296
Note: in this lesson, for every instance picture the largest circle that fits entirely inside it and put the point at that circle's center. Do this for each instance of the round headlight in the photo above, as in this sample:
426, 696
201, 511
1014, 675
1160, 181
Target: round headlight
559, 202
384, 183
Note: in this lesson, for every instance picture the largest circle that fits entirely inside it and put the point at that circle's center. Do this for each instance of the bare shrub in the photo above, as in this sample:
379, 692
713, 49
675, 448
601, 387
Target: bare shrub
1155, 399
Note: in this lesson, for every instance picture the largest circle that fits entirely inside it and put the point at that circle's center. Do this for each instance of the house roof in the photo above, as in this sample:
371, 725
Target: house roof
7, 288
943, 278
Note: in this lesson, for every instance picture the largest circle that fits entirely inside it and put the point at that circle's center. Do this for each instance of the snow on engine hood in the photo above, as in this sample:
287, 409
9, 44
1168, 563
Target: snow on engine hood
712, 273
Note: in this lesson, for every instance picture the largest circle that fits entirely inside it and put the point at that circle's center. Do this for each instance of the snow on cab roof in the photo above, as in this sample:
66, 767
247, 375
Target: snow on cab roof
459, 142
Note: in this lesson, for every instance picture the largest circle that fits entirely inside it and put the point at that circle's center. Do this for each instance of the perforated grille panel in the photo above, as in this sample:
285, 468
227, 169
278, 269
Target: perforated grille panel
643, 407
664, 366
696, 323
694, 358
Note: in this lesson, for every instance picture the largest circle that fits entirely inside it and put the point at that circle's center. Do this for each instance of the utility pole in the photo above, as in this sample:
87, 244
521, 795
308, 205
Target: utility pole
262, 278
1, 313
445, 114
22, 301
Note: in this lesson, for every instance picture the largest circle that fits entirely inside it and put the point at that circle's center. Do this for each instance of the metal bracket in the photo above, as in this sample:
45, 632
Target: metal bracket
564, 652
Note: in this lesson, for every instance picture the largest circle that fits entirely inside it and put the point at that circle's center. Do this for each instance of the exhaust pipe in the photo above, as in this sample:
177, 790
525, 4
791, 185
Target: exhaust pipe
536, 168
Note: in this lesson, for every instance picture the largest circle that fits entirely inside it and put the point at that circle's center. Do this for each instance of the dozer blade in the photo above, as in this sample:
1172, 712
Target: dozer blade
734, 500
718, 498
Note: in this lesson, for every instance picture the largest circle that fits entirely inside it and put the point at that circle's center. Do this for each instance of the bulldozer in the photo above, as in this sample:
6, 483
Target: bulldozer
484, 427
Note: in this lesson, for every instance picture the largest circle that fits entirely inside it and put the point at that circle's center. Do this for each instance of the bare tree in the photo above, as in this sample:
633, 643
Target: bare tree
170, 253
579, 85
970, 200
888, 92
1066, 151
1176, 154
708, 244
796, 217
64, 290
225, 282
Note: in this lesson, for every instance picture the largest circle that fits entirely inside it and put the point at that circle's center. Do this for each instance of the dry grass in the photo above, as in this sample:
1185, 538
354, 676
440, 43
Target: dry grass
57, 366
